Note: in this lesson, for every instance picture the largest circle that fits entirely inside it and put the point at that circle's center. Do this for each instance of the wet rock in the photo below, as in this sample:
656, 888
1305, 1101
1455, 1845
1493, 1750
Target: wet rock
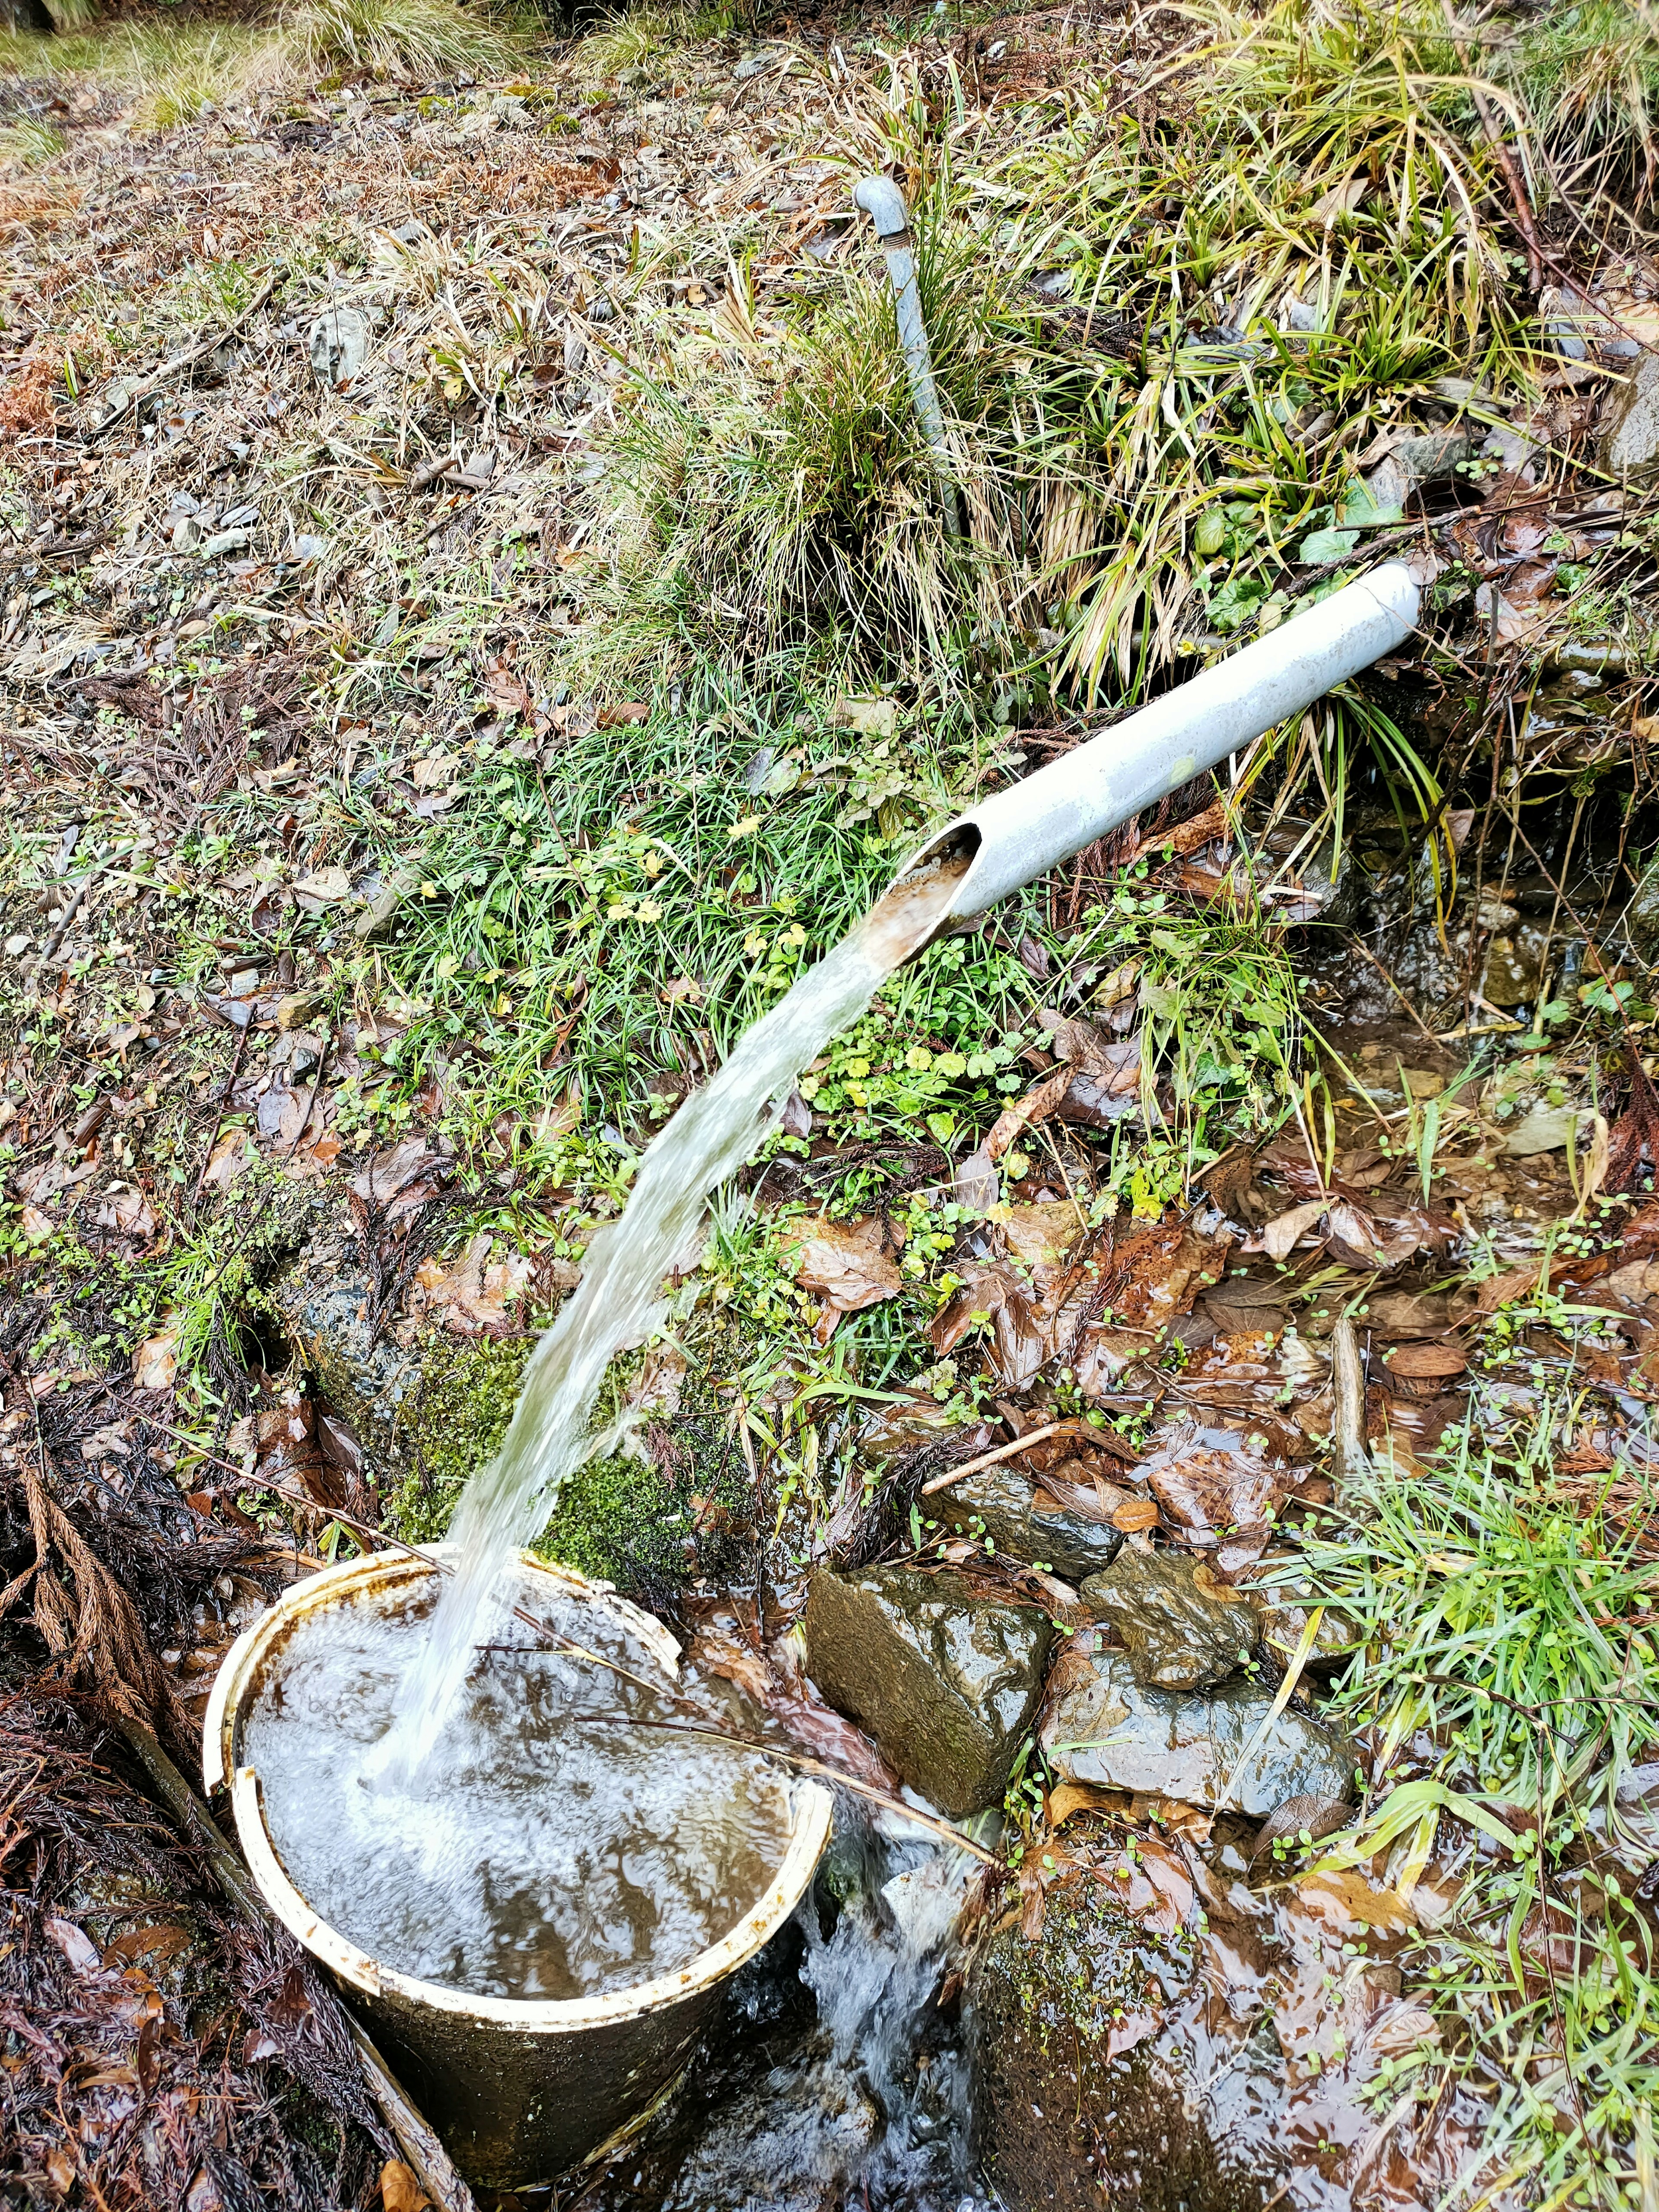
1079, 2100
945, 1679
1004, 1505
1634, 441
324, 1301
1514, 973
1102, 1727
1183, 1630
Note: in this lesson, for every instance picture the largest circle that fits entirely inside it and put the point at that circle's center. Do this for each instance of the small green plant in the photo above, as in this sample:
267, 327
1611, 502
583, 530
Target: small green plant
28, 142
1507, 1621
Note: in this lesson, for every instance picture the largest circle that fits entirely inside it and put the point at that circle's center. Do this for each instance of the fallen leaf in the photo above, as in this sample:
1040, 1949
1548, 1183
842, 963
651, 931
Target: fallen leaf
1349, 1902
35, 1225
1067, 1799
1138, 1513
1280, 1236
399, 2191
76, 1946
1509, 1283
322, 887
1426, 1361
474, 1295
155, 1361
226, 1161
843, 1263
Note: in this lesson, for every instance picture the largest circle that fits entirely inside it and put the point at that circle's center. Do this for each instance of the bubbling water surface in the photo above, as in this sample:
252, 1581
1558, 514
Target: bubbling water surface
552, 1845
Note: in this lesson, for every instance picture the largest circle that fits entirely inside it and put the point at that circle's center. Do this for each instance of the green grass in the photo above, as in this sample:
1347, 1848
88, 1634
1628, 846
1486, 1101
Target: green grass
393, 38
1510, 1670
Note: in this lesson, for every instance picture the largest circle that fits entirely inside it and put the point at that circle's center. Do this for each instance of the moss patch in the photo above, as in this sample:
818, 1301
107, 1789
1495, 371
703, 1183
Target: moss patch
467, 1392
631, 1521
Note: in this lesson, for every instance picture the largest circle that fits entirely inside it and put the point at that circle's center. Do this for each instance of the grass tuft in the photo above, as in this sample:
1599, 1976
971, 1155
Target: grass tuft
383, 39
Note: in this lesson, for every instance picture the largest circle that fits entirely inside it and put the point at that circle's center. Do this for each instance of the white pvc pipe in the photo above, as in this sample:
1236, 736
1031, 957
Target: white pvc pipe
1044, 819
883, 203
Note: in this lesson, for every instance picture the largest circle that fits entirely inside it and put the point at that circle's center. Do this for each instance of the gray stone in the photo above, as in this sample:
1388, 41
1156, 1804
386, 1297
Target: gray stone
1183, 1630
1107, 1730
338, 344
947, 1680
997, 1503
1416, 461
1634, 441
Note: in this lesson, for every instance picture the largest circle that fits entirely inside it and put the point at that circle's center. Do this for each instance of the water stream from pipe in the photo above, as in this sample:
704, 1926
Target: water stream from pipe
507, 1504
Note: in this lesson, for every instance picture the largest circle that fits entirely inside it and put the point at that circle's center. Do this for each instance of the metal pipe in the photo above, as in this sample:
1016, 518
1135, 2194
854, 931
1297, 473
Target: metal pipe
1047, 818
883, 203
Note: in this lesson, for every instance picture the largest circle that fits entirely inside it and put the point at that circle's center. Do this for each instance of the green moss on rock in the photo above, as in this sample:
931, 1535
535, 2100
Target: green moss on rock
627, 1519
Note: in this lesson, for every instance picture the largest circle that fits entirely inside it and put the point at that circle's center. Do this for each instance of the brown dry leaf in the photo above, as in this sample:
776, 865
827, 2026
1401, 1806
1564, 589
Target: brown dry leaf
1278, 1239
1020, 1342
399, 2191
1348, 1903
713, 1653
1221, 1502
1512, 1283
1425, 1362
155, 1361
389, 1183
843, 1263
1138, 1513
434, 770
475, 1296
322, 887
35, 1225
1036, 1106
227, 1160
1313, 1816
126, 1210
1636, 1281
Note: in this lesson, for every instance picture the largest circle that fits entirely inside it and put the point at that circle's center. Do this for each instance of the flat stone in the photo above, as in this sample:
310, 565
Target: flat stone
1184, 1631
1105, 1729
947, 1680
997, 1503
1634, 443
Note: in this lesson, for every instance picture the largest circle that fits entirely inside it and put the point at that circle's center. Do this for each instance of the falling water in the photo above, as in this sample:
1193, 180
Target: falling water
506, 1504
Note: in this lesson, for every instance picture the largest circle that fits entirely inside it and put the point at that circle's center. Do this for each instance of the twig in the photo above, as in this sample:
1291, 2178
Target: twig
188, 358
990, 1458
1348, 1454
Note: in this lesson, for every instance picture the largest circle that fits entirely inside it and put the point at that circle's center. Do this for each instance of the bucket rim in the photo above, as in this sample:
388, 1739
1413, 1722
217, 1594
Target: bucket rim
811, 1808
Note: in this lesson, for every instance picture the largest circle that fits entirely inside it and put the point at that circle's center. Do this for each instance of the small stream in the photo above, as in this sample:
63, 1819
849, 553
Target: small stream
833, 2075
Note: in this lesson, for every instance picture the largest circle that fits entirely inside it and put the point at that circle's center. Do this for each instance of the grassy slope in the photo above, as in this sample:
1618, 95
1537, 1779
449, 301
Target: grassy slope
708, 508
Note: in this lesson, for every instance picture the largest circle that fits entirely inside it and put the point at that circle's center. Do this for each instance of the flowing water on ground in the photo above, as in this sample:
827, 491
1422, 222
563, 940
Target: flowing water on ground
507, 1504
537, 1856
833, 2076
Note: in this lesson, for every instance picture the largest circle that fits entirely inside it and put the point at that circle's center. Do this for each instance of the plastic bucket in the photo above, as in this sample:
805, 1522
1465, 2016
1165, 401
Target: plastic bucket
519, 2089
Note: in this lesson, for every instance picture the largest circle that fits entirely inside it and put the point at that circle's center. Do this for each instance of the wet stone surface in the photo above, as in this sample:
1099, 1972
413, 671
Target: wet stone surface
1004, 1505
1102, 1727
1078, 2101
1183, 1629
945, 1679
